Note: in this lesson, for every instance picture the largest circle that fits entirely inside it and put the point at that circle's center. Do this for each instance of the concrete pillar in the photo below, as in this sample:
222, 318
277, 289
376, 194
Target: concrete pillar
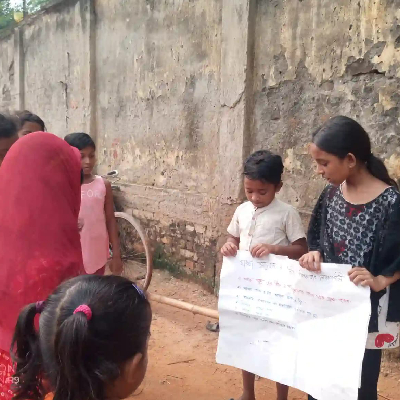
237, 65
237, 68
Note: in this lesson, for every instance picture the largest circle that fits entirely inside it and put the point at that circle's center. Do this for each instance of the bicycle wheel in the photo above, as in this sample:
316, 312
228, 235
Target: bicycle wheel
135, 250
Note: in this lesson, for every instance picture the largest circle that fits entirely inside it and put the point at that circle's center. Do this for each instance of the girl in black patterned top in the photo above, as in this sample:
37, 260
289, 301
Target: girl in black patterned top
357, 221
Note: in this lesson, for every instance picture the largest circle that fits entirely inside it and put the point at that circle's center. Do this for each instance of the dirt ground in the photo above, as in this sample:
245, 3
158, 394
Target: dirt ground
182, 354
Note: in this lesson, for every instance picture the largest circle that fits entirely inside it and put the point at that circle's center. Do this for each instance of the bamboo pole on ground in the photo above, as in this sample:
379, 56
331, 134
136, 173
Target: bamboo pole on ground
207, 312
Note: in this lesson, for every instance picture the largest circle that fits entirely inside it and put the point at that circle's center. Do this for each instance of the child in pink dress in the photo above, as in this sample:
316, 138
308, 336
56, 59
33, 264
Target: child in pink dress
96, 216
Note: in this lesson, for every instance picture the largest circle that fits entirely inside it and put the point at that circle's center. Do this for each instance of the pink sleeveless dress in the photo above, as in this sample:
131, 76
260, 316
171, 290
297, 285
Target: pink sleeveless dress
94, 235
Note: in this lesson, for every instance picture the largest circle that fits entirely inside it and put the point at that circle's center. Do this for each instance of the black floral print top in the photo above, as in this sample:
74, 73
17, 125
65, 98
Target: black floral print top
366, 235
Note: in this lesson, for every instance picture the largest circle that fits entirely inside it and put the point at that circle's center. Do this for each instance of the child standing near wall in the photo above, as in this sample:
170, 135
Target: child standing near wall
264, 225
97, 220
357, 221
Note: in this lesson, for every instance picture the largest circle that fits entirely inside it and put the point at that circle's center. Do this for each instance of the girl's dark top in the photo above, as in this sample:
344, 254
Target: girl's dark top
365, 235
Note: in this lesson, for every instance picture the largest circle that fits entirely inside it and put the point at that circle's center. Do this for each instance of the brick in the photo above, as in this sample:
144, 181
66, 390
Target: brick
190, 264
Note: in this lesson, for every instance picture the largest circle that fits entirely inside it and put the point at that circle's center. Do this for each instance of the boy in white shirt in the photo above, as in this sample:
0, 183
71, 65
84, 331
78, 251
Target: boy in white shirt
264, 225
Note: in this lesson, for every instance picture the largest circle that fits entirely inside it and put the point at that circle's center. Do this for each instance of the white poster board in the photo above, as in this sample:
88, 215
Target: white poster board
284, 323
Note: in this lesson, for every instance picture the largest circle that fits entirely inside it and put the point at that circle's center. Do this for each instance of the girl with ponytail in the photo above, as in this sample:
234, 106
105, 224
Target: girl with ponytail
91, 343
357, 221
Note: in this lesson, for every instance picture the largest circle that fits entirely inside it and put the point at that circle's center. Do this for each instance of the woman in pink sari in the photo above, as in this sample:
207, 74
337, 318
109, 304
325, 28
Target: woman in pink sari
39, 237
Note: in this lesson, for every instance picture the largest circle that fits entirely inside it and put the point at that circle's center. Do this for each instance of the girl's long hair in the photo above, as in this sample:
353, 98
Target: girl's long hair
78, 356
341, 136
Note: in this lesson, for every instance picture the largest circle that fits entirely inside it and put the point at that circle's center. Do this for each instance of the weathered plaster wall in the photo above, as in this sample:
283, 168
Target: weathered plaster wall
158, 79
178, 92
158, 85
46, 66
315, 59
57, 65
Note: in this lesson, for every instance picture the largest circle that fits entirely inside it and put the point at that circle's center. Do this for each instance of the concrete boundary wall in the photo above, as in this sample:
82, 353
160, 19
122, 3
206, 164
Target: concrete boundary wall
177, 93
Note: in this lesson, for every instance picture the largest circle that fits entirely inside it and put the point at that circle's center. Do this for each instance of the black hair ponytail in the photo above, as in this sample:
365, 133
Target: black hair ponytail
378, 169
80, 353
73, 381
341, 136
26, 354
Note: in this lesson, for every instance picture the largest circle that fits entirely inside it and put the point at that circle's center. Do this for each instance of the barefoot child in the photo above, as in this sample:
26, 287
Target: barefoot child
91, 343
357, 221
97, 220
264, 225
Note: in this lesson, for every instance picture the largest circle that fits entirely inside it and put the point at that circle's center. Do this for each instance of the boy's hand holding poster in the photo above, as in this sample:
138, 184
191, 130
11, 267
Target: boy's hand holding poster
284, 323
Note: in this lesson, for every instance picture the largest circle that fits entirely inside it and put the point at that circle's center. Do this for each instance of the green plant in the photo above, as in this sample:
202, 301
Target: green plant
162, 261
6, 14
35, 5
7, 10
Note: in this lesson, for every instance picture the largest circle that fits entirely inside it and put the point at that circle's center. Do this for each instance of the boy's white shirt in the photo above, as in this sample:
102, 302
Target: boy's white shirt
276, 224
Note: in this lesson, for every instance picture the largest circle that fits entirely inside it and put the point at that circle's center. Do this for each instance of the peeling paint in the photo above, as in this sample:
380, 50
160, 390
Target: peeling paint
341, 59
386, 99
292, 164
